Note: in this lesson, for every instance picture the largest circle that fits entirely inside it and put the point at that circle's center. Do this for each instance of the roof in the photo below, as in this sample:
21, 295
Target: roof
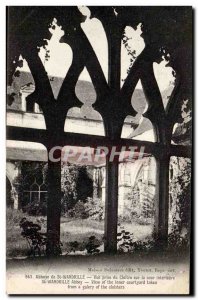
146, 124
86, 93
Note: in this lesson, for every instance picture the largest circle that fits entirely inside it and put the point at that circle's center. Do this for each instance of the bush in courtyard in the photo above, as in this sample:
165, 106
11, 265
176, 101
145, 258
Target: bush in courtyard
178, 240
78, 211
126, 242
92, 245
36, 209
92, 208
38, 240
73, 246
32, 233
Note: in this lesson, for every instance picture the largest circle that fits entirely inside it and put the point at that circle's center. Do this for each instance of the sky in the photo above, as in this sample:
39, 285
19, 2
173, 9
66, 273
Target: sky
61, 54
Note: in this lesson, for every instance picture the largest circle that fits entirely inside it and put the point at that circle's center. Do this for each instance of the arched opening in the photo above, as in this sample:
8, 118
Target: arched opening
164, 75
182, 130
132, 45
136, 203
138, 127
82, 211
90, 26
84, 119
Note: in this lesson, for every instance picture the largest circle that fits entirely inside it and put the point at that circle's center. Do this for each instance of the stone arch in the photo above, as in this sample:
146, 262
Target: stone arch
144, 187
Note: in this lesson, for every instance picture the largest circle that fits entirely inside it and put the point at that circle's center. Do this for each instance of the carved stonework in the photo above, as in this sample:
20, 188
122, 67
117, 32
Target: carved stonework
112, 101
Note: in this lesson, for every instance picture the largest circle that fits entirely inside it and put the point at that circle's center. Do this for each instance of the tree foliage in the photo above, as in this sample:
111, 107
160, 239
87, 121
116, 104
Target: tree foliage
180, 202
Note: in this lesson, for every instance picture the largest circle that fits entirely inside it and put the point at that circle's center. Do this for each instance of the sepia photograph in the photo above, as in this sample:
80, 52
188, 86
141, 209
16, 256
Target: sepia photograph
99, 113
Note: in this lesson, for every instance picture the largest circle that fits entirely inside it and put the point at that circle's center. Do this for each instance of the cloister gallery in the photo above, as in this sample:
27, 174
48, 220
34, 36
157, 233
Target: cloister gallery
44, 111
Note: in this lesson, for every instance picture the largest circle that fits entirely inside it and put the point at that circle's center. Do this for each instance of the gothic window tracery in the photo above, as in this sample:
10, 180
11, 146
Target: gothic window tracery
34, 191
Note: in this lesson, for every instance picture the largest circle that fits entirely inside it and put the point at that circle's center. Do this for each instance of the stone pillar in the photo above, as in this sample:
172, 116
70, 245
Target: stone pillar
111, 207
15, 198
95, 183
141, 196
121, 189
26, 91
13, 170
120, 200
53, 208
162, 201
103, 185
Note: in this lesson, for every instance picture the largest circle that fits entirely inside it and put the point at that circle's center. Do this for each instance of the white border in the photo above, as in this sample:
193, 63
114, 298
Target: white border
99, 3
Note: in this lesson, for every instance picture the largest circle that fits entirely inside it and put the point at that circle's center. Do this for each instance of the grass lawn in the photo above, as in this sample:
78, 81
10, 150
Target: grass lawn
71, 230
16, 245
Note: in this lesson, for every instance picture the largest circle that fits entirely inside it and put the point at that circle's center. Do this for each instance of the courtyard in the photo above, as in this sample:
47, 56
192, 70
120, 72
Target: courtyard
72, 230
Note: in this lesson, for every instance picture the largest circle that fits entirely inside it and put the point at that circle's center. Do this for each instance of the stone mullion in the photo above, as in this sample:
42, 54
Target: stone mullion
156, 114
111, 207
162, 201
53, 207
113, 127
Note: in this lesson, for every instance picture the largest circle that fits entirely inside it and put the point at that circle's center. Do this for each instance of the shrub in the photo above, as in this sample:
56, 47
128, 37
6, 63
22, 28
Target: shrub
179, 240
36, 209
36, 240
92, 208
126, 243
73, 246
92, 245
78, 211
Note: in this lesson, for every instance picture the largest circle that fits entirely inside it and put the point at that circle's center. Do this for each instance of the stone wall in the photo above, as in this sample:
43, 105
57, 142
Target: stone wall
13, 169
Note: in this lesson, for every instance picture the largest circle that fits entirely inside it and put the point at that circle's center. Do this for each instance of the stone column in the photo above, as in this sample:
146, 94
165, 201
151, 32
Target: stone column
53, 208
14, 196
95, 183
111, 207
103, 185
121, 189
162, 201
